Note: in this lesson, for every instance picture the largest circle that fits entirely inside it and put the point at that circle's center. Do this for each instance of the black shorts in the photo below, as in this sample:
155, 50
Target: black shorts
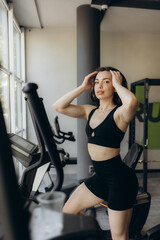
114, 182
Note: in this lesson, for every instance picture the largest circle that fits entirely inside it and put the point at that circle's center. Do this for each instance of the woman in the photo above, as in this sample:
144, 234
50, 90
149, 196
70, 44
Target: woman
113, 181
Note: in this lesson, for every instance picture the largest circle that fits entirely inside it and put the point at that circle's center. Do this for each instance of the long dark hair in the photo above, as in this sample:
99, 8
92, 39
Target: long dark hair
116, 98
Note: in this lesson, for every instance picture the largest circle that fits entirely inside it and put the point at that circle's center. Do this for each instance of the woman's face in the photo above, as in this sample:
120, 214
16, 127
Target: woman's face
103, 85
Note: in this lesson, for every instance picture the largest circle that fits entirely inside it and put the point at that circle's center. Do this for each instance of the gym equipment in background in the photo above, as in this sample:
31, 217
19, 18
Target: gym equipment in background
145, 83
65, 136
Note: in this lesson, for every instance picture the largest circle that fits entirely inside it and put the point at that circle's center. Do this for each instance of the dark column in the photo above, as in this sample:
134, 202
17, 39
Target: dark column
88, 59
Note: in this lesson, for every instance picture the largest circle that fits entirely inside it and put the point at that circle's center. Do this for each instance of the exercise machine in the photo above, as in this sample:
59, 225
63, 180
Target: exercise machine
27, 153
34, 176
65, 136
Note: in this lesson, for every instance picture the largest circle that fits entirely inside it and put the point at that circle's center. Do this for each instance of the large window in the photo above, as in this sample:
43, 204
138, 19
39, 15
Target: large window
12, 70
12, 73
4, 64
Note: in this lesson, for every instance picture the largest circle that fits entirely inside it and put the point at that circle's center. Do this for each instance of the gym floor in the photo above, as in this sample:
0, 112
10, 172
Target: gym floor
153, 188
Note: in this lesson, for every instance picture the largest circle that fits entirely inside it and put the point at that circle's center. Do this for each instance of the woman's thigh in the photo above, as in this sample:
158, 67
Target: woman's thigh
119, 222
80, 199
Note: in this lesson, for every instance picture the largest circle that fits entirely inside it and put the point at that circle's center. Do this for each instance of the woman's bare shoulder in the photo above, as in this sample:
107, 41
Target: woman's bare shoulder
88, 109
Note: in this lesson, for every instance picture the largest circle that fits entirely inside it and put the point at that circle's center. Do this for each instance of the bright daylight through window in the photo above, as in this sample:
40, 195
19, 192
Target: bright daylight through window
12, 70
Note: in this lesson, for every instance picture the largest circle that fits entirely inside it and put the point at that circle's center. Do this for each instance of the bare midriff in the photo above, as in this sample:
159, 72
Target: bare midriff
100, 153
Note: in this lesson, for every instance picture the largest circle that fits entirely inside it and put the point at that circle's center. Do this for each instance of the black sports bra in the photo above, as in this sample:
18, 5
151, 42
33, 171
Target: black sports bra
107, 133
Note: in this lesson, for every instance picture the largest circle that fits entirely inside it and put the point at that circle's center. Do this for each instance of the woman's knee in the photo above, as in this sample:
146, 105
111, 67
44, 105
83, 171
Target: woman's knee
119, 223
118, 234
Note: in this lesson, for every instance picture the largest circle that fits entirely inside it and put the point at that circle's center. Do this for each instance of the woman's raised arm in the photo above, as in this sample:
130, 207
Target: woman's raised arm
130, 102
64, 106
